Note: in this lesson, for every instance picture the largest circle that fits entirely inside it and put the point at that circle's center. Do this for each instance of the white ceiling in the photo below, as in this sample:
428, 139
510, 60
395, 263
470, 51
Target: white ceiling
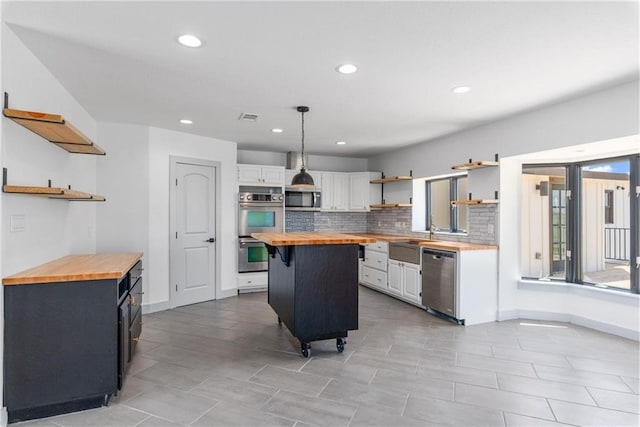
122, 62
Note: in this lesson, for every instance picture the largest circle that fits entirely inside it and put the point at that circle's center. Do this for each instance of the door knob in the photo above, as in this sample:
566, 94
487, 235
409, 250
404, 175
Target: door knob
211, 239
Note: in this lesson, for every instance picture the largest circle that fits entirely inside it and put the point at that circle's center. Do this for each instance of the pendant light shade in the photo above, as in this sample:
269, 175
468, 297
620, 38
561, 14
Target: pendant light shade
302, 178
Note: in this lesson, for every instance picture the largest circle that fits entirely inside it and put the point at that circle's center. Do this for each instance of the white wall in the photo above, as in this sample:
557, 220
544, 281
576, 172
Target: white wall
599, 116
123, 178
162, 145
137, 219
54, 228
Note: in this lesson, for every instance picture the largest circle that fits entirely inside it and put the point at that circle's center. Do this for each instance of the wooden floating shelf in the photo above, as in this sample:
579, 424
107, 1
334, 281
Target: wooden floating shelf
474, 202
391, 205
55, 129
53, 193
391, 179
476, 165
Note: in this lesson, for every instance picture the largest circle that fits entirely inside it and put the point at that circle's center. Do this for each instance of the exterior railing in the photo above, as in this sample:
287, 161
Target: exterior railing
616, 243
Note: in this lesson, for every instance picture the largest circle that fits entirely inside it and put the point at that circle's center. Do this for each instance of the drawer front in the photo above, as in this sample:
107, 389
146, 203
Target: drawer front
135, 273
379, 246
374, 277
135, 298
134, 333
376, 260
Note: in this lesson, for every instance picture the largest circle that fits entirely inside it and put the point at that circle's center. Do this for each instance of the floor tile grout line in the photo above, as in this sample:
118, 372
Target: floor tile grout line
147, 413
218, 402
325, 386
406, 403
145, 419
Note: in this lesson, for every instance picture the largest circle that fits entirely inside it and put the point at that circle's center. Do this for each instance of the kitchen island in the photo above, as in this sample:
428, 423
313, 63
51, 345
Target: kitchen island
313, 284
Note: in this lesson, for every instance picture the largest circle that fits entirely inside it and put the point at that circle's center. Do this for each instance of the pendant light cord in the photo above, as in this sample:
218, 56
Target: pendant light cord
303, 168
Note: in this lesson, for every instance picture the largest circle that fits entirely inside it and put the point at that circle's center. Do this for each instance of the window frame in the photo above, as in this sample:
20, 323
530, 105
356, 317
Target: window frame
573, 268
453, 209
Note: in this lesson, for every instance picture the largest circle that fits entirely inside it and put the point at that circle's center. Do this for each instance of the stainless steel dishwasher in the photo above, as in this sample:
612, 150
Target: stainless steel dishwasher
439, 281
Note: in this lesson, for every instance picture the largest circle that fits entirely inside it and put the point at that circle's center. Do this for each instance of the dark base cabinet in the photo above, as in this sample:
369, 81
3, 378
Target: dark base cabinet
314, 291
67, 344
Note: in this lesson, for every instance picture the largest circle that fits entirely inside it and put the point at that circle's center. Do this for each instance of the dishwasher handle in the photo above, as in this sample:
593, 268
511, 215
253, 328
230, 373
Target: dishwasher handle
436, 254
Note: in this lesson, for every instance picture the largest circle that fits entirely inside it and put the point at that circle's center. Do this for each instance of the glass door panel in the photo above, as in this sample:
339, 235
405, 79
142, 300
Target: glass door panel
606, 232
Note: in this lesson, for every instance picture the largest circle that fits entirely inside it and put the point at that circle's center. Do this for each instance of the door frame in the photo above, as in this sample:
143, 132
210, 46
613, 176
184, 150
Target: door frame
217, 166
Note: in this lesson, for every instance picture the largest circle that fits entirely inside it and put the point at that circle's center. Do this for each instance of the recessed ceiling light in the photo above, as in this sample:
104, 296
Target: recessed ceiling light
341, 143
347, 69
461, 89
276, 130
186, 121
189, 40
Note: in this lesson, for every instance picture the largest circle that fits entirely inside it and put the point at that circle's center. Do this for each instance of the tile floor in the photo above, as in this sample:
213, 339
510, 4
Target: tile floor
228, 363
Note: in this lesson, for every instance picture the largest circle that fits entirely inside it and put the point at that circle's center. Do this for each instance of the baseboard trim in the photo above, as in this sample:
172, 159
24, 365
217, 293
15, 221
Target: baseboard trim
570, 318
154, 307
226, 293
149, 308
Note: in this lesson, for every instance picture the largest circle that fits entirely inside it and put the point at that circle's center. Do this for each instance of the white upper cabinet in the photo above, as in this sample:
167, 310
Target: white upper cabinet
348, 191
266, 176
361, 192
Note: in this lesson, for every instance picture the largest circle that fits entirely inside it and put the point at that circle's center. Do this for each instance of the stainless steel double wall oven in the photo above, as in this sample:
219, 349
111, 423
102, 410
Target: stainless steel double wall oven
257, 213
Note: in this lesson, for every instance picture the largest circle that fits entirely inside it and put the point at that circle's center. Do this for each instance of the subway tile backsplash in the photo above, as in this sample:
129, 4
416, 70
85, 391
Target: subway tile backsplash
482, 223
354, 222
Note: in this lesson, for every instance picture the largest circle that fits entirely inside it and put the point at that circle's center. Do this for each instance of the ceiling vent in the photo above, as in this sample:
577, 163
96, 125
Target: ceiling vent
249, 117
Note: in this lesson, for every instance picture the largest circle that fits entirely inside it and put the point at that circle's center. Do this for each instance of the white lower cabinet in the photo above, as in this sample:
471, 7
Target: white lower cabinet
395, 277
404, 280
412, 285
252, 282
373, 269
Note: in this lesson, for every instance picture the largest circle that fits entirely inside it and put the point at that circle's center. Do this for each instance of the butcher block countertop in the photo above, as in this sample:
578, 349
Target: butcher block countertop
310, 238
434, 244
75, 268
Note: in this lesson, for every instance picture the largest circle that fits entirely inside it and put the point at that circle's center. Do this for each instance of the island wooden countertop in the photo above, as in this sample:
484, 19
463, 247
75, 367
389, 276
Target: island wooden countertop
310, 238
426, 243
75, 268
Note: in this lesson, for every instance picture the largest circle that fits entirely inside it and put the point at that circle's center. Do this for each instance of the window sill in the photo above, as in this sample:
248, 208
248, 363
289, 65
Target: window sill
585, 290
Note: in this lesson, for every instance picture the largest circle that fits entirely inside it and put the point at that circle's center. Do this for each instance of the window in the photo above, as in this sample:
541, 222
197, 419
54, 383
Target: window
570, 230
608, 206
441, 214
605, 237
544, 225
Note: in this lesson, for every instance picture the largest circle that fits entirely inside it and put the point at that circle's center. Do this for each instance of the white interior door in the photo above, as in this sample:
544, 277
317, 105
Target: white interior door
193, 234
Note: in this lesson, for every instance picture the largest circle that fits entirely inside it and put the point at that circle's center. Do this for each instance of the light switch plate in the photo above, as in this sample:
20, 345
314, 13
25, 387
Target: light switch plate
17, 223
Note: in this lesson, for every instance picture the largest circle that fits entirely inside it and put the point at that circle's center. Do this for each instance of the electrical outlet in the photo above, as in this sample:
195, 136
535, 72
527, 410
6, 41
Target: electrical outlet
490, 228
17, 223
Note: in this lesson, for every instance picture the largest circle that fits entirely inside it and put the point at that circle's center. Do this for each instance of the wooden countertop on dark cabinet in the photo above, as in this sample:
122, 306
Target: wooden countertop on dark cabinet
66, 347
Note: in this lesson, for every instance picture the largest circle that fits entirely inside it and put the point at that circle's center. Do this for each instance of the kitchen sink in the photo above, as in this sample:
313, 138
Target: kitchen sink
407, 251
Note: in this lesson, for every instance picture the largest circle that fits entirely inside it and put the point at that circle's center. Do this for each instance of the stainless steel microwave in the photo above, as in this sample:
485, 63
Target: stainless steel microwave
302, 199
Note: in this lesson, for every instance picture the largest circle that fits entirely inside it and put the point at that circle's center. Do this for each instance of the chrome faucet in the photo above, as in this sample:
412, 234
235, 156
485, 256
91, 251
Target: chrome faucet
431, 227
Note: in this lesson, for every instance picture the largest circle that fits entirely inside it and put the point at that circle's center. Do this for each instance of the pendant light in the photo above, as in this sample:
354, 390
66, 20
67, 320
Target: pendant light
302, 179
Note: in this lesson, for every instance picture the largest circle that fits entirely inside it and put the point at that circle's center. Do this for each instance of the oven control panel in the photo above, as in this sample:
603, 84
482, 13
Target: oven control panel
260, 197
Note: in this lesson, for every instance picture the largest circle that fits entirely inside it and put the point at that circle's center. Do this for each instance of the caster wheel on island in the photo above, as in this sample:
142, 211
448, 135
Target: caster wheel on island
340, 344
305, 349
